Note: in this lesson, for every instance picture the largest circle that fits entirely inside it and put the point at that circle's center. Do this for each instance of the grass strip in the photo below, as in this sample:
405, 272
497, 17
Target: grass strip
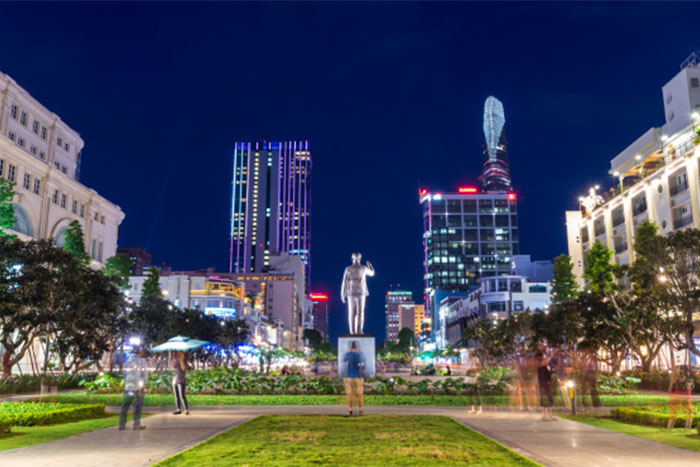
459, 401
678, 437
373, 440
22, 436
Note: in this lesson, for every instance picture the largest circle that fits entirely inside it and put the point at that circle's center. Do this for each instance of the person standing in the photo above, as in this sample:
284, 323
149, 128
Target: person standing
135, 382
354, 379
544, 378
179, 364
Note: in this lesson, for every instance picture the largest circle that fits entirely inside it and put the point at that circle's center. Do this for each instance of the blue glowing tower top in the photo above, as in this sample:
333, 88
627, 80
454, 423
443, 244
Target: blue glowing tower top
496, 173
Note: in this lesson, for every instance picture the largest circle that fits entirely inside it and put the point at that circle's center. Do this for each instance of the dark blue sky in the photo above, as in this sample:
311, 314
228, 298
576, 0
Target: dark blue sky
390, 96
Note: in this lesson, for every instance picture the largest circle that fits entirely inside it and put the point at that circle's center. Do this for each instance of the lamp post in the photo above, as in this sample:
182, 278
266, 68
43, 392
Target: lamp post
572, 396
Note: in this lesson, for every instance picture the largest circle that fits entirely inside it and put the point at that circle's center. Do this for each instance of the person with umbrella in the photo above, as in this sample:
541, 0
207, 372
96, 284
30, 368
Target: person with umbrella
179, 364
180, 345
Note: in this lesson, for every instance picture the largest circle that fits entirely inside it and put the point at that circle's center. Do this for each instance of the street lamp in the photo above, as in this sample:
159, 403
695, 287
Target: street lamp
572, 395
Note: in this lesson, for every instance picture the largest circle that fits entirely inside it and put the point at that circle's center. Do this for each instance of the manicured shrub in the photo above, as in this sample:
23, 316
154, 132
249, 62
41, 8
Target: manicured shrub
657, 380
32, 383
646, 417
42, 413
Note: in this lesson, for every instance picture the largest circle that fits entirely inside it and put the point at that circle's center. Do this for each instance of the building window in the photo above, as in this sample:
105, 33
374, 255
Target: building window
694, 82
37, 186
92, 250
99, 252
82, 211
33, 150
2, 166
11, 173
11, 135
54, 198
97, 216
27, 181
35, 127
20, 142
59, 140
64, 170
65, 146
74, 209
42, 155
63, 201
102, 220
14, 111
57, 165
23, 118
43, 133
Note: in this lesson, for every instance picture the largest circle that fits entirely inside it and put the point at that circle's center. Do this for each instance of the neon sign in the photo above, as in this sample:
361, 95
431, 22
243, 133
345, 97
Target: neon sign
318, 297
467, 189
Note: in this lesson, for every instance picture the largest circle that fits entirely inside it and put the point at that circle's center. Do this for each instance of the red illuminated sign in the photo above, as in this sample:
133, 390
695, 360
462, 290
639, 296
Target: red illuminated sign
511, 196
422, 192
318, 297
467, 189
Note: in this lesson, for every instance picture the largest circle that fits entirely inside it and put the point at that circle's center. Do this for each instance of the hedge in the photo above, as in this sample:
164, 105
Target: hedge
644, 417
32, 383
658, 380
33, 413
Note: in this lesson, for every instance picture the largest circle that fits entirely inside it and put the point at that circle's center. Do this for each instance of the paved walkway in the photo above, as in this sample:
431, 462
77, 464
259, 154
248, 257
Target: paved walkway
560, 443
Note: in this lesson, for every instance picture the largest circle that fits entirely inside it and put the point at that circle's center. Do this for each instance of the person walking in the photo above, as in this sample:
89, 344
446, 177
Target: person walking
135, 382
354, 379
544, 378
179, 364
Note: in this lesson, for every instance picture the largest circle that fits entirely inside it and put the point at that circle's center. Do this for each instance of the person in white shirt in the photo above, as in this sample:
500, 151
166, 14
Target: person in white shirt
135, 382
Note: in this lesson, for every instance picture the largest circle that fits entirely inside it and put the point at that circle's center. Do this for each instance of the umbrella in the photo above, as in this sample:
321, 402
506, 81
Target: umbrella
180, 343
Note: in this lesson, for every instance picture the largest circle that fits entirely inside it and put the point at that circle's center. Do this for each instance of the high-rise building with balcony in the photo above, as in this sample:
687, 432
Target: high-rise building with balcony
657, 178
270, 204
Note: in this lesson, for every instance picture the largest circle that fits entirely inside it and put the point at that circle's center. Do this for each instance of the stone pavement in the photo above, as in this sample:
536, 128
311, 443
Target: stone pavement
560, 443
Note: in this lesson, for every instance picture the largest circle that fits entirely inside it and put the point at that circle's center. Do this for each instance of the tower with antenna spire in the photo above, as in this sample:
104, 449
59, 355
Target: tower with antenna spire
495, 175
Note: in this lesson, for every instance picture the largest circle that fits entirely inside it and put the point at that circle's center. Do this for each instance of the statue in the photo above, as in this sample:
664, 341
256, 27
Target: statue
354, 289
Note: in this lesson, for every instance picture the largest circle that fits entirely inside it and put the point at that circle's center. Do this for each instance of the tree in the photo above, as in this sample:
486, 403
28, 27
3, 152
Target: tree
75, 242
85, 329
118, 268
151, 286
7, 212
314, 338
675, 261
150, 320
599, 271
406, 340
564, 284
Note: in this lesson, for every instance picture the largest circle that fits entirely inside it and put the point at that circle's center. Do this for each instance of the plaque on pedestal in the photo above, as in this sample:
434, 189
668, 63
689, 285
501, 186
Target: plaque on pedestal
366, 346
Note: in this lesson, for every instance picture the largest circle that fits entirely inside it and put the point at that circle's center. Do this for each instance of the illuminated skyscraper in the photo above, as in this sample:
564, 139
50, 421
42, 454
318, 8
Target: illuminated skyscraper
495, 175
270, 204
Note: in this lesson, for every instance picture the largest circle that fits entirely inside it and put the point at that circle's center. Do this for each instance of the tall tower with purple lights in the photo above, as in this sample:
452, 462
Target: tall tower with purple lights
495, 175
270, 204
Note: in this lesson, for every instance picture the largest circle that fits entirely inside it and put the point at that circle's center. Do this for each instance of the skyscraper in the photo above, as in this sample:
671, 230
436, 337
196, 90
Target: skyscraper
394, 300
270, 204
495, 175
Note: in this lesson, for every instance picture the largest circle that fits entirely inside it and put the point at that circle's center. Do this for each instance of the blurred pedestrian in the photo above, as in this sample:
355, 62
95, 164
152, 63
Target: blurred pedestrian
558, 366
135, 382
354, 378
544, 378
179, 364
681, 386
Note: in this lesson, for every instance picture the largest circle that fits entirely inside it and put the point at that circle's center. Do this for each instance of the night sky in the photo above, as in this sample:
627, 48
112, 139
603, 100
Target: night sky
390, 96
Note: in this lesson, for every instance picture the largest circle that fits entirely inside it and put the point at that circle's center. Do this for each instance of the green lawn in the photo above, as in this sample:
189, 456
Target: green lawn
678, 437
22, 436
195, 399
335, 440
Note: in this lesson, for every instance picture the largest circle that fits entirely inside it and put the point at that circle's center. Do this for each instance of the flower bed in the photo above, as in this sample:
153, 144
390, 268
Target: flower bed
228, 381
45, 413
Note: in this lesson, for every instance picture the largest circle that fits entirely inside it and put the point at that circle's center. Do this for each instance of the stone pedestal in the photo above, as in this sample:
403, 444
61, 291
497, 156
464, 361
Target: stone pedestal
367, 347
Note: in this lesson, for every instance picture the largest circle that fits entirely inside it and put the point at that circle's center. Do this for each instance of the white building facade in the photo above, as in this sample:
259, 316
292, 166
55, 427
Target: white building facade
41, 155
